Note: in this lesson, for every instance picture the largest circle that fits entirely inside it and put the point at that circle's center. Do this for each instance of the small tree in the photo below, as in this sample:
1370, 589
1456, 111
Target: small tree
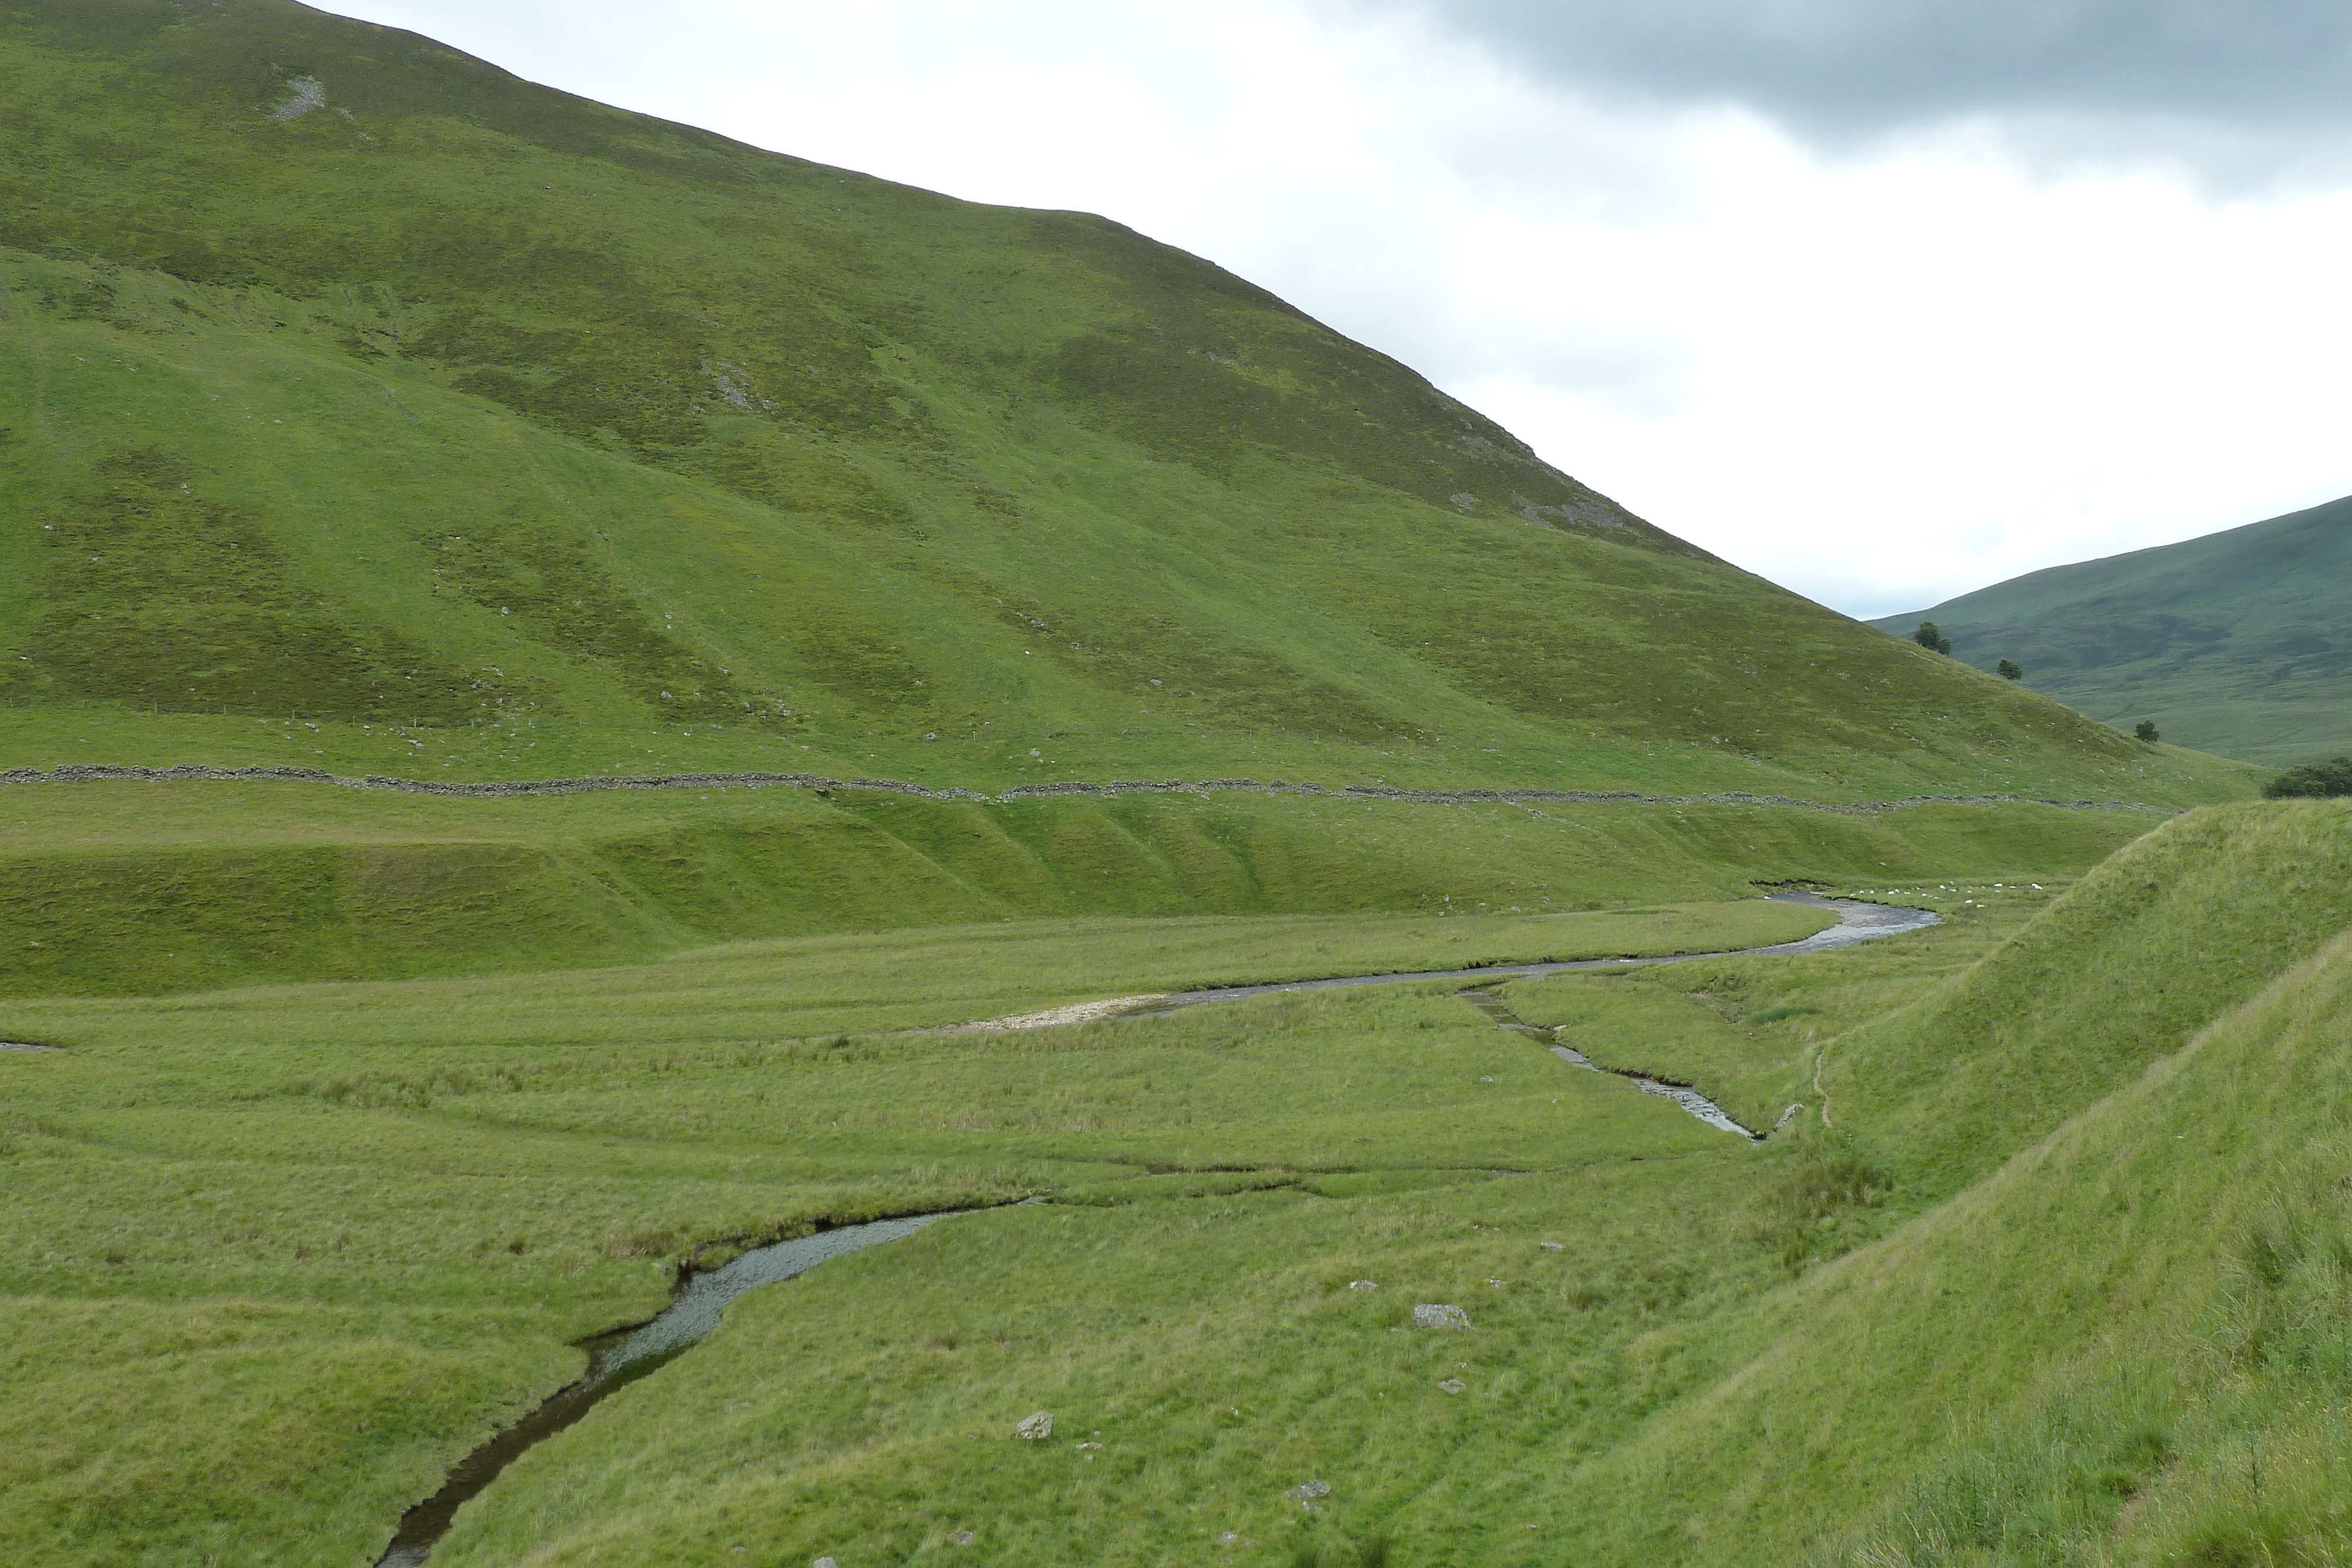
1929, 637
2146, 729
2313, 780
2008, 671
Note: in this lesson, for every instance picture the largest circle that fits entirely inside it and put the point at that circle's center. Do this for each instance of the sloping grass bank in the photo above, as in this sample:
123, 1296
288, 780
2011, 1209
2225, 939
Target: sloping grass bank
2130, 1341
147, 888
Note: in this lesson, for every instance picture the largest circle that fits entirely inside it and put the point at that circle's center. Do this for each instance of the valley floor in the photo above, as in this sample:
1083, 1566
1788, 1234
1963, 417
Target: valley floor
2051, 1281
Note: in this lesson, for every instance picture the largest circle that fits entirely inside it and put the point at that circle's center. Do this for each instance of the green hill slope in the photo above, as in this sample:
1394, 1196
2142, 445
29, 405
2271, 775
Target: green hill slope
365, 407
2125, 1338
2239, 642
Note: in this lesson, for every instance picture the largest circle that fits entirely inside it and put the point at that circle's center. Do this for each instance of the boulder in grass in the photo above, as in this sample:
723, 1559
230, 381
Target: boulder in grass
1307, 1492
1363, 1285
1035, 1428
1453, 1385
1431, 1315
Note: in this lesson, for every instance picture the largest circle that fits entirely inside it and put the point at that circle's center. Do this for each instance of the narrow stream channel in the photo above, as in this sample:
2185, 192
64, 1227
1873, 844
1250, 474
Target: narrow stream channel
1491, 1003
1857, 922
617, 1359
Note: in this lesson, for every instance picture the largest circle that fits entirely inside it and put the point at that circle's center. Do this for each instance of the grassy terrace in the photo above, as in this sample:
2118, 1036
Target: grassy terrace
123, 888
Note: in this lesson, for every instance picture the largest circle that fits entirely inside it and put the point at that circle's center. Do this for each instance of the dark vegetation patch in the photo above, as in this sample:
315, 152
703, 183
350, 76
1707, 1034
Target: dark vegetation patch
1804, 1211
1176, 673
564, 596
157, 595
2313, 780
147, 923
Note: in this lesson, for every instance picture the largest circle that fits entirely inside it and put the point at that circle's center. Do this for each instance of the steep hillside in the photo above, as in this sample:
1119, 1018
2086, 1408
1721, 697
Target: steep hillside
2239, 642
361, 405
2125, 1338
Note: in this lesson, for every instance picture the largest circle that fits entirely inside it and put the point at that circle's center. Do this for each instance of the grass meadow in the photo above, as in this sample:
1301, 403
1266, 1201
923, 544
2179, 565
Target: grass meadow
361, 1223
1952, 1314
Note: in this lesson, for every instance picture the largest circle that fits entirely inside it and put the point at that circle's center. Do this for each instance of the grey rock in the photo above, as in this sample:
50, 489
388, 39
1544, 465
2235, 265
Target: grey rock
960, 1537
1035, 1428
1307, 1492
1363, 1285
1550, 1246
1453, 1385
1432, 1315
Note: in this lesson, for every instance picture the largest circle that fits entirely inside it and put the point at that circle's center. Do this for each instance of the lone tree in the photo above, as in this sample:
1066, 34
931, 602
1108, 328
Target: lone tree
1930, 638
2313, 780
2008, 671
2145, 730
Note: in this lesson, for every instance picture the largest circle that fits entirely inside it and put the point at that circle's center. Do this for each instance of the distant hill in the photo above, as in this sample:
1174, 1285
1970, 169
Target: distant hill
2239, 642
365, 407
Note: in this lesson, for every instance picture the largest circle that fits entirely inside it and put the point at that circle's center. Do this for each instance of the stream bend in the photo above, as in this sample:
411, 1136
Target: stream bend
619, 1358
1857, 922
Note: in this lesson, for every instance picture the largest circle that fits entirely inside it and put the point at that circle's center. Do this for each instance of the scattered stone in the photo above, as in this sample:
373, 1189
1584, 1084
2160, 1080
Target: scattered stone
1307, 1492
1550, 1246
1485, 1078
1363, 1285
1095, 1447
1453, 1385
1228, 1538
824, 1563
1430, 1315
960, 1537
1035, 1428
1498, 1284
1788, 1115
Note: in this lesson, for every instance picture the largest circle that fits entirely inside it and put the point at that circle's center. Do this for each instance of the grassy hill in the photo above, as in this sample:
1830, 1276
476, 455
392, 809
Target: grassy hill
2239, 642
2106, 1320
365, 407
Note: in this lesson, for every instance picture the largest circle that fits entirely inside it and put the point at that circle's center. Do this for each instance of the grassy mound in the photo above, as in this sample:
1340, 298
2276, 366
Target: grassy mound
2127, 1342
361, 405
2178, 928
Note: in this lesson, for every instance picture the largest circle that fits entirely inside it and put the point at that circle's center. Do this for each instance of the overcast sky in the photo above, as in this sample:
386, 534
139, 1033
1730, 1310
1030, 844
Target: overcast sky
1885, 299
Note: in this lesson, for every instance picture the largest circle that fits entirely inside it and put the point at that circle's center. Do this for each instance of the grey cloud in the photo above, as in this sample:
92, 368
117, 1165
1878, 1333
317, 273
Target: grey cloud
1842, 69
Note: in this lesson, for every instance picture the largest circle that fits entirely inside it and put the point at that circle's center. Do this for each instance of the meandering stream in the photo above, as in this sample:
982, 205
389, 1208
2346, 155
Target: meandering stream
618, 1359
1857, 922
621, 1357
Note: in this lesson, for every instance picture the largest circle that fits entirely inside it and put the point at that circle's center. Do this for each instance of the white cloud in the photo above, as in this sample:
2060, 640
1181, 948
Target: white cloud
1881, 378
